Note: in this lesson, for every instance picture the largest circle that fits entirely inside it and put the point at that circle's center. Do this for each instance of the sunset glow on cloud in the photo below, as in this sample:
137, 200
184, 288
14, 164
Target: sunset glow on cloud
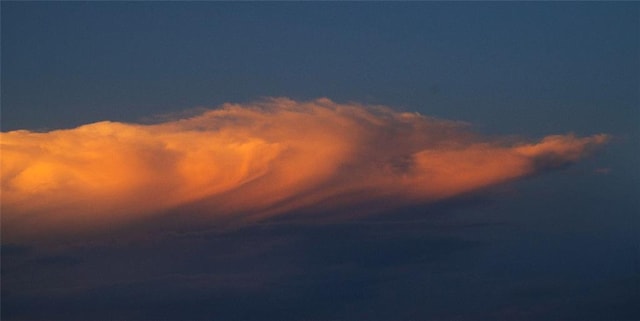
254, 161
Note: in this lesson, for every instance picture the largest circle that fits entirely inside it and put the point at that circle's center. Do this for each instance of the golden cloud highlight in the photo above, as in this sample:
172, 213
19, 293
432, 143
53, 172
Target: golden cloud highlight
254, 161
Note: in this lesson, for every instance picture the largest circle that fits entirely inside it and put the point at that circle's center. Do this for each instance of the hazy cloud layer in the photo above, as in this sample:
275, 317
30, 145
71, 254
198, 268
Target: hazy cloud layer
246, 162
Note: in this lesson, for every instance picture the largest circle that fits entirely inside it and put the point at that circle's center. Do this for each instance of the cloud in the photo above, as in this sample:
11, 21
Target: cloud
254, 161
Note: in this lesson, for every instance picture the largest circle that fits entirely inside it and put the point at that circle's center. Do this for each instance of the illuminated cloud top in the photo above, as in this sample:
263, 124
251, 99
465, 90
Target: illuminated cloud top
242, 163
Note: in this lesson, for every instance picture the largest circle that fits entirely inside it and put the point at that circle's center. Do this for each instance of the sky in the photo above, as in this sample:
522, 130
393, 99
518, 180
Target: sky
320, 160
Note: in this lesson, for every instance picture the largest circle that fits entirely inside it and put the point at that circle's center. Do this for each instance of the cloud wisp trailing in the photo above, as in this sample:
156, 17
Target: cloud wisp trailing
248, 162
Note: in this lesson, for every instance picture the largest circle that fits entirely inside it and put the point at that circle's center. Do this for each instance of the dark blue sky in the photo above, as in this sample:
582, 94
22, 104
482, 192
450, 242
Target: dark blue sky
563, 246
542, 67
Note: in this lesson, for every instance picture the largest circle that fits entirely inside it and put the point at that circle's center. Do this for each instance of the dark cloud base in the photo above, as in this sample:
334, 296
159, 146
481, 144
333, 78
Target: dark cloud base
420, 263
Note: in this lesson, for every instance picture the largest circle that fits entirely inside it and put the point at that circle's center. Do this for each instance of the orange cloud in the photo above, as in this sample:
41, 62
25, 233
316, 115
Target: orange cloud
248, 162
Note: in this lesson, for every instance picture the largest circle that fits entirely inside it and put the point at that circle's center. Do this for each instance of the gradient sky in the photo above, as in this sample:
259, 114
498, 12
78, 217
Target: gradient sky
551, 236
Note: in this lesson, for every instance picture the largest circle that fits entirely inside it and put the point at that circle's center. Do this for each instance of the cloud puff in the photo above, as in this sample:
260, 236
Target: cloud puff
254, 161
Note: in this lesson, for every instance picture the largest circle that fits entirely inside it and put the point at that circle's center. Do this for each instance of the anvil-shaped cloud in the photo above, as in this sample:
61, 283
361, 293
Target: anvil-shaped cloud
249, 162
